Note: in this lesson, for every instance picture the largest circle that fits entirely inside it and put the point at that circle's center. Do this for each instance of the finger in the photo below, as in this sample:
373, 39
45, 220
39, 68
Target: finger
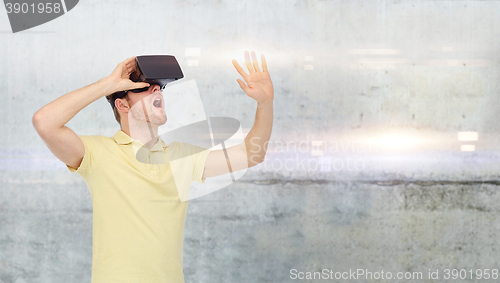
239, 69
141, 85
129, 69
264, 63
132, 65
243, 86
255, 62
132, 68
129, 66
129, 60
247, 62
125, 70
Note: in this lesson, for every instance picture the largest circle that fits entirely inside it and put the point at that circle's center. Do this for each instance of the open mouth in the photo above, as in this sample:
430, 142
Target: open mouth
158, 103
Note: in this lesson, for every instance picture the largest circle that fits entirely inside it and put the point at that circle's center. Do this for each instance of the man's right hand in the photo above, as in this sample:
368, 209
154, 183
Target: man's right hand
120, 77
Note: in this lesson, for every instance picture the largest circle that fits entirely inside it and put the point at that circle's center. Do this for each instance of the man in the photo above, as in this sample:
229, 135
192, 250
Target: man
138, 217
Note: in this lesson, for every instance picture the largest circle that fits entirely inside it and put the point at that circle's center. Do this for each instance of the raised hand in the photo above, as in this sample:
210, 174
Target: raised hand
258, 83
121, 75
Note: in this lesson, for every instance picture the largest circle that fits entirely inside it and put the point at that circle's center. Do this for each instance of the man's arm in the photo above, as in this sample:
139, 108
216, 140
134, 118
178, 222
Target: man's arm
253, 150
50, 120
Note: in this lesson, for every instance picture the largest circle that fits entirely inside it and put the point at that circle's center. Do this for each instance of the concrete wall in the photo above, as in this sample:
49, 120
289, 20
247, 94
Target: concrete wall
365, 168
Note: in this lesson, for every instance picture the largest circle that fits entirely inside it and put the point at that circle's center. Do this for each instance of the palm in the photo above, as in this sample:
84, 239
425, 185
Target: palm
258, 83
122, 73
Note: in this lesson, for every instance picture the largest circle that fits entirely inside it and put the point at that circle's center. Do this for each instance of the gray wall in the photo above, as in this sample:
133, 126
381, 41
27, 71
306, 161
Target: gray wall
374, 92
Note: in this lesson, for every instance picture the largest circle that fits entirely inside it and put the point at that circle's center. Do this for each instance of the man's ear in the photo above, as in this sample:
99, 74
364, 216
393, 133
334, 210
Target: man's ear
122, 105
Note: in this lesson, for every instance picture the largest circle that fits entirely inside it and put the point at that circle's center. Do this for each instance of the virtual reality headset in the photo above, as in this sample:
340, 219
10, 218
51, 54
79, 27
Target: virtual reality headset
152, 69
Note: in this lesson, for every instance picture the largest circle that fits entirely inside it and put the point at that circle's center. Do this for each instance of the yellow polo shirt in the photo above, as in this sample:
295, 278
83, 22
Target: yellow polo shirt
138, 217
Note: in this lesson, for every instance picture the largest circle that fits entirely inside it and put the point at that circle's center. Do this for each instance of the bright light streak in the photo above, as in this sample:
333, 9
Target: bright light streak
374, 51
378, 63
467, 136
317, 148
396, 141
467, 147
457, 62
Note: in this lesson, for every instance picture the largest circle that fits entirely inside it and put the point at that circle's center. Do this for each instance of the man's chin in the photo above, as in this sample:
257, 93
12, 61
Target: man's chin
160, 122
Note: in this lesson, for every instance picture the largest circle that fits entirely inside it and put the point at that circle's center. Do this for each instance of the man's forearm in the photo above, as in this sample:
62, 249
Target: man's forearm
60, 111
257, 139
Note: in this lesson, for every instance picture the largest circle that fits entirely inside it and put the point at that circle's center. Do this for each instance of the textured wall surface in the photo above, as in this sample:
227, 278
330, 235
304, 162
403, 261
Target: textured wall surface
366, 167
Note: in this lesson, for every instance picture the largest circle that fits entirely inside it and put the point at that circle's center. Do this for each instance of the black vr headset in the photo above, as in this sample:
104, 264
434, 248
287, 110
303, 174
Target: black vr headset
152, 69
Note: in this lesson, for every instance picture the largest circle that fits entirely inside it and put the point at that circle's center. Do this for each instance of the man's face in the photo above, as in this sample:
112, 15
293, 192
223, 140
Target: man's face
147, 106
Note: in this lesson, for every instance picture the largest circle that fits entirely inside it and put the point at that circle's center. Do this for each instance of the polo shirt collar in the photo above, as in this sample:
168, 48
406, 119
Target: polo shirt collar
121, 137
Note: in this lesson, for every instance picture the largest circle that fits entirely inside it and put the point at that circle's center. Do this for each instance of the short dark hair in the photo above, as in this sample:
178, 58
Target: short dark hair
134, 76
115, 110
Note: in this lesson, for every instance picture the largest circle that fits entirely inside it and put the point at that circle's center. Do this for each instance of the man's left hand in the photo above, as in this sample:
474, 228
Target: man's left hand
258, 83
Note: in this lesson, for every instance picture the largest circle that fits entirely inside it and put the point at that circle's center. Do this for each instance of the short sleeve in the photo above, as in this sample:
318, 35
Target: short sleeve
200, 159
88, 160
188, 161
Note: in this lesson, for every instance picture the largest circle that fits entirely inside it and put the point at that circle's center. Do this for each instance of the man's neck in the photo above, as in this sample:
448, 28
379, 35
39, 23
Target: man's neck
147, 134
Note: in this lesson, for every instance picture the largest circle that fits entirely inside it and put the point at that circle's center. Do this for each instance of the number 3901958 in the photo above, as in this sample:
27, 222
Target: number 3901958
32, 8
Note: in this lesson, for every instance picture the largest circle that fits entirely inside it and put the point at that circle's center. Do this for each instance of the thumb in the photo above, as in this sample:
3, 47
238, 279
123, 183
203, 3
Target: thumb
243, 86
